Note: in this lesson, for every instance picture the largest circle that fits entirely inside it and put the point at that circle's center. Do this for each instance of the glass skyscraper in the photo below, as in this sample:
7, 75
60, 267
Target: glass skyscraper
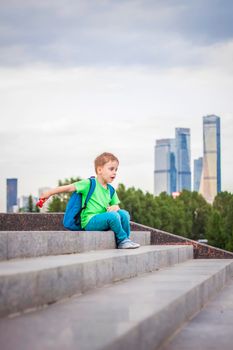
12, 185
165, 170
198, 164
211, 173
183, 159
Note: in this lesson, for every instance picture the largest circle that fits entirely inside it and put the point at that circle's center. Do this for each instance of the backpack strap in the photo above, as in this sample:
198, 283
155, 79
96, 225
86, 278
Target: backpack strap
112, 190
91, 190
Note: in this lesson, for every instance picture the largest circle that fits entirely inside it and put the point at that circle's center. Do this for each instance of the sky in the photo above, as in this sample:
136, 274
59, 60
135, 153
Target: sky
78, 78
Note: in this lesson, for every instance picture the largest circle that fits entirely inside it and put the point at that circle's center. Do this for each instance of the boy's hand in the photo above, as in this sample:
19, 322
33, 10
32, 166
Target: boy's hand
45, 196
113, 208
40, 203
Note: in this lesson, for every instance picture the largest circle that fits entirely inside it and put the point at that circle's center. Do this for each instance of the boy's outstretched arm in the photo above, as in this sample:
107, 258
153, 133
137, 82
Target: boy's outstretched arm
57, 190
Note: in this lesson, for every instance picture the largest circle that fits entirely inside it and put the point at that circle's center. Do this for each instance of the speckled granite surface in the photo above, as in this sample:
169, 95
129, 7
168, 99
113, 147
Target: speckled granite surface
31, 222
53, 222
201, 251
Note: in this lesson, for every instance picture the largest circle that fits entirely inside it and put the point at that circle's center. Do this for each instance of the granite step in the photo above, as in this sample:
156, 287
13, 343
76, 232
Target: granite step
25, 244
139, 313
211, 329
34, 282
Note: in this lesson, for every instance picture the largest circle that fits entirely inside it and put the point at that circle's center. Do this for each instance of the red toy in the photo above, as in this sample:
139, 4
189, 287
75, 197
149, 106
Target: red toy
40, 203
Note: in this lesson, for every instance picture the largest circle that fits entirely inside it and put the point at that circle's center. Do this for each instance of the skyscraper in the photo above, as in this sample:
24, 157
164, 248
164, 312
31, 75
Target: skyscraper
211, 173
183, 159
165, 171
198, 163
12, 185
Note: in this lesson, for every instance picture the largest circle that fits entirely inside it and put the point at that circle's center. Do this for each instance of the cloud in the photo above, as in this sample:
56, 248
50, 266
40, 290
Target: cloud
108, 33
72, 112
82, 77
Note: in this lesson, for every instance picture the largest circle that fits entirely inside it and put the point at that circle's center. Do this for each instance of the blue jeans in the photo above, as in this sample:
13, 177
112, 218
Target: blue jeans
117, 221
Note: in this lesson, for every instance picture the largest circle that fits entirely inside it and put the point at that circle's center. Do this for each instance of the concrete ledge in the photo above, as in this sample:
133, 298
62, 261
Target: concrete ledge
37, 281
140, 313
25, 244
31, 222
53, 222
201, 251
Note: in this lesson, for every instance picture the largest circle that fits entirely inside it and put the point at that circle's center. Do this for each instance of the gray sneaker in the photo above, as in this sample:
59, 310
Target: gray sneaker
127, 244
136, 245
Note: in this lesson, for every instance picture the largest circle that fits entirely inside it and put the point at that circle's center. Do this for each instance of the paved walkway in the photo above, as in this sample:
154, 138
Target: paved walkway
211, 329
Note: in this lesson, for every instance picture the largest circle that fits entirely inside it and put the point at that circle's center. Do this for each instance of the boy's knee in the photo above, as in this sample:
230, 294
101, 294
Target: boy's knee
124, 213
113, 215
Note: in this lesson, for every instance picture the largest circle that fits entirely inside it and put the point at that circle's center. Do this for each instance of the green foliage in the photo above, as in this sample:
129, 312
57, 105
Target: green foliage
30, 204
188, 215
30, 207
58, 203
196, 214
223, 203
215, 230
142, 207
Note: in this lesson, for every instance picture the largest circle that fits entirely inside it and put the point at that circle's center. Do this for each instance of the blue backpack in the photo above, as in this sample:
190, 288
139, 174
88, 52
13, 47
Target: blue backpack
74, 208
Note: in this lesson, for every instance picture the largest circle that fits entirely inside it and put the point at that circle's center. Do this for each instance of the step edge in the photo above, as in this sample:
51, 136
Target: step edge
100, 273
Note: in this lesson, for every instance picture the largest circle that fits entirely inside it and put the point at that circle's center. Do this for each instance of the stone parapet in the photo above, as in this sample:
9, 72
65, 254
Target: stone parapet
53, 222
201, 250
31, 222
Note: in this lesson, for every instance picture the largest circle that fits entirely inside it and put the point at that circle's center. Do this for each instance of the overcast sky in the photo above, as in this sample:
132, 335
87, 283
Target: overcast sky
78, 78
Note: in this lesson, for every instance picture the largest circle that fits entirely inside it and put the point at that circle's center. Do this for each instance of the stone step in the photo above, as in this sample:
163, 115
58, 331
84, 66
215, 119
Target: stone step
25, 244
138, 313
33, 282
211, 329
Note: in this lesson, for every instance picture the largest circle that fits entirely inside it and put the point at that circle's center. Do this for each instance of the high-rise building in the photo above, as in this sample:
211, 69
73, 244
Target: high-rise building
198, 163
183, 160
23, 203
165, 170
12, 185
211, 173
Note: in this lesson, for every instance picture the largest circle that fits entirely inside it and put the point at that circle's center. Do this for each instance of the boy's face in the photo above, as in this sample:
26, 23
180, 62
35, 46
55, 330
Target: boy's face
108, 171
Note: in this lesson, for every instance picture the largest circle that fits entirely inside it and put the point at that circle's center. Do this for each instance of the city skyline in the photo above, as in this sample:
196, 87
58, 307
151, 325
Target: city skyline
112, 77
182, 139
172, 165
172, 162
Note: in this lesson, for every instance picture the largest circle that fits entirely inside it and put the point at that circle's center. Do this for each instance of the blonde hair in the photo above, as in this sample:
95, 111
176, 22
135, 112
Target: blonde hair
105, 158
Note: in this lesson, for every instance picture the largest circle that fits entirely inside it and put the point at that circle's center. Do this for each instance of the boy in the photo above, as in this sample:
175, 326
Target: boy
102, 212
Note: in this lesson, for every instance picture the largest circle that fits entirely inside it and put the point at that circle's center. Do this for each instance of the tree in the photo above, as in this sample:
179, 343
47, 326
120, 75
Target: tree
223, 203
216, 234
142, 207
59, 202
197, 211
30, 204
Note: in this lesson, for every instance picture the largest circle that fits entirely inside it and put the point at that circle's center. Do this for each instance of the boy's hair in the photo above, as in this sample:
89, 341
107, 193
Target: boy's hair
104, 158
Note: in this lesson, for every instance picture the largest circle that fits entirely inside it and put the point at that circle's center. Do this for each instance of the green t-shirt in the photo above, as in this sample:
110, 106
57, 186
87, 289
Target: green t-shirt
98, 202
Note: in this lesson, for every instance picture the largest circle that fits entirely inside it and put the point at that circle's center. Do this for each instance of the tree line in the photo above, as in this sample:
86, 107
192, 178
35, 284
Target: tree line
187, 215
